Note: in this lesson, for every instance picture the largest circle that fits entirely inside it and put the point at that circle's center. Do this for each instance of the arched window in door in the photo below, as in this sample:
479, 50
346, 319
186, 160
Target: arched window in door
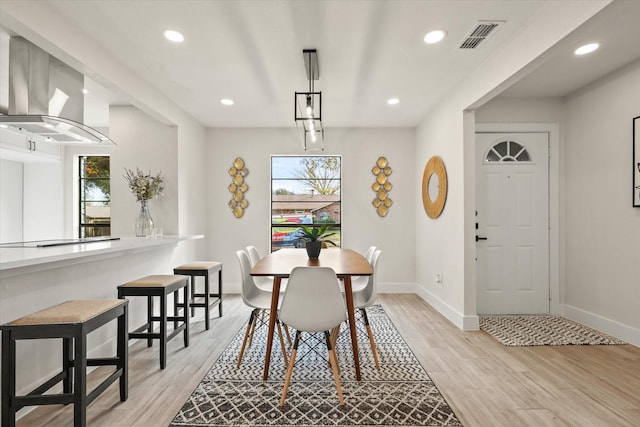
507, 151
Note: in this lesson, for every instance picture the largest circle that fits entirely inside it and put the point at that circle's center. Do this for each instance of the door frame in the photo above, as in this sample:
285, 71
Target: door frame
553, 129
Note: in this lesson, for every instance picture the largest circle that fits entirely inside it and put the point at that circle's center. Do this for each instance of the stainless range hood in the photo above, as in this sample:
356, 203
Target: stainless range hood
45, 98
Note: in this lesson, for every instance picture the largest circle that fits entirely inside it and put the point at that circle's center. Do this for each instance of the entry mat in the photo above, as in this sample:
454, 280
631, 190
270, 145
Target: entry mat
521, 331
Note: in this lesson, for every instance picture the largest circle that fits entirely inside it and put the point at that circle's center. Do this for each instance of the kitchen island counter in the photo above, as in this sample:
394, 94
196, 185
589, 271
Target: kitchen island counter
20, 260
35, 278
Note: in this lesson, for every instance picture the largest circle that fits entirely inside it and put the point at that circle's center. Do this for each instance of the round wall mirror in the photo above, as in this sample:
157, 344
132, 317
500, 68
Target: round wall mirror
434, 187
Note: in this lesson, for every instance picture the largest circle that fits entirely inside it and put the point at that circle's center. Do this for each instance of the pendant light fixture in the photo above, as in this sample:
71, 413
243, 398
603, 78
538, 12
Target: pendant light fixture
308, 106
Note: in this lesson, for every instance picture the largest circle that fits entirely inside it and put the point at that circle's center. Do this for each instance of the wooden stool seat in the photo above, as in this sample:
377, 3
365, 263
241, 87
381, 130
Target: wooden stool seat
160, 286
76, 311
207, 299
72, 321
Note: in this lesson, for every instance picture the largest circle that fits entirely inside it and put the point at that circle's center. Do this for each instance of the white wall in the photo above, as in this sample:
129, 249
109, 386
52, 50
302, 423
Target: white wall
10, 201
192, 194
440, 243
145, 143
31, 199
43, 198
601, 229
521, 110
447, 131
362, 227
31, 196
40, 23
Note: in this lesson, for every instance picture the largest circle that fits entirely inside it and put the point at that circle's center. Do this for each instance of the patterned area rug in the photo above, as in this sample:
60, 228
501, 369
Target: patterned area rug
520, 331
399, 394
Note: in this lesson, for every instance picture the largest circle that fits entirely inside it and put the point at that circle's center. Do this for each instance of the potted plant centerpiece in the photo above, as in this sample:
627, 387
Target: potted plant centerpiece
315, 237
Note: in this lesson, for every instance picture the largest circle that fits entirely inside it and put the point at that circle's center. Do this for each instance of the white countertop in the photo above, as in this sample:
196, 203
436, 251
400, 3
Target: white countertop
13, 260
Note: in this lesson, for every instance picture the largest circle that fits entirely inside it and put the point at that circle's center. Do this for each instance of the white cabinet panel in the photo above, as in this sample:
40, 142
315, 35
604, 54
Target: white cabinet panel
20, 148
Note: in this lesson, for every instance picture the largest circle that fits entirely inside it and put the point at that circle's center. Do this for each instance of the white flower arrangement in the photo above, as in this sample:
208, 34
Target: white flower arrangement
144, 186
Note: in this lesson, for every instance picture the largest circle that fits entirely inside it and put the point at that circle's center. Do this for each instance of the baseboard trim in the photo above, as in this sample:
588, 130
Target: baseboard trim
466, 323
619, 330
383, 288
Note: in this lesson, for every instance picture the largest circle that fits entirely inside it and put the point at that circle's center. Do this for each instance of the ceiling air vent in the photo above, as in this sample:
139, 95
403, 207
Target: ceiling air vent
480, 33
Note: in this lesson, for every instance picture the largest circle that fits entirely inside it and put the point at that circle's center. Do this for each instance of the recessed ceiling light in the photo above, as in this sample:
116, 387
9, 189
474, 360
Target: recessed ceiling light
435, 36
587, 48
173, 36
226, 101
393, 101
85, 91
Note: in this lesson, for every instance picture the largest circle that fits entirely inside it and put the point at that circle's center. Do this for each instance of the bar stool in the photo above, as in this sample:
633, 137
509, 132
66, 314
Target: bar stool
204, 269
72, 321
160, 286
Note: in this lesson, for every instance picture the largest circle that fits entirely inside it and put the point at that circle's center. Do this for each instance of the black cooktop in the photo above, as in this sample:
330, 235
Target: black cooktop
56, 242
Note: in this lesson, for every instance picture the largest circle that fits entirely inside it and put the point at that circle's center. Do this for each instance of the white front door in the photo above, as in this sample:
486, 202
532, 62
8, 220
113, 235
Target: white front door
512, 199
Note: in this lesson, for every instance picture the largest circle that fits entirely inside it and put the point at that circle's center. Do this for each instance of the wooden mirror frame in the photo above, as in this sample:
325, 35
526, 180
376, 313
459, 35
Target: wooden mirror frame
434, 208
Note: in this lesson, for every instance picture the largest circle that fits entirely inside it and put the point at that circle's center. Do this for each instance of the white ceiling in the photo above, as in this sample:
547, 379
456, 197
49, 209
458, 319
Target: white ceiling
251, 51
369, 51
616, 28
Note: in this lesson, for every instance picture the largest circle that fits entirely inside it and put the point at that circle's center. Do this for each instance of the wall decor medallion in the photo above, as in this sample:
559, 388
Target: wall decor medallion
434, 187
636, 162
381, 186
238, 187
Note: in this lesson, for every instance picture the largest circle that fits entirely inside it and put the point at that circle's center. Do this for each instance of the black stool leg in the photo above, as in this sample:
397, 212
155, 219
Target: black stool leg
192, 280
206, 302
186, 316
67, 357
220, 292
175, 310
123, 353
150, 319
8, 379
80, 379
163, 331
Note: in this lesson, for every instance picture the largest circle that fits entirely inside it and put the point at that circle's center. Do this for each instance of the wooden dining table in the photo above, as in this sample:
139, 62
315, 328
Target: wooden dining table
345, 262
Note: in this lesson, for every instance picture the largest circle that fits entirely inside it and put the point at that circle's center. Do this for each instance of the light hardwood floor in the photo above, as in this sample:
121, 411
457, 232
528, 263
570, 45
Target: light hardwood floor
486, 383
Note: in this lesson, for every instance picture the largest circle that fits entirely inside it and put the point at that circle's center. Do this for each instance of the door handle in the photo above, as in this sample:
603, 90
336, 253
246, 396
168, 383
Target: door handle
478, 238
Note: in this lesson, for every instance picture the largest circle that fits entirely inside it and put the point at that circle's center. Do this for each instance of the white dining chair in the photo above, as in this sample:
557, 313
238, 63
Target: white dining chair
263, 282
259, 300
365, 296
266, 282
359, 282
254, 255
313, 303
370, 253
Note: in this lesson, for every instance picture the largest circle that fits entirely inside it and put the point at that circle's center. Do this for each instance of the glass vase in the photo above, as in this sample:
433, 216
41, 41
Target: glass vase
144, 223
